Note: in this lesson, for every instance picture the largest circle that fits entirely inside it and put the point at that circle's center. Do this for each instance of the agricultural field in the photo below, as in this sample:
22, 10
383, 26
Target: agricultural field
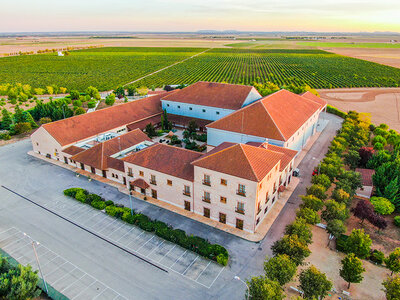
317, 68
348, 45
104, 68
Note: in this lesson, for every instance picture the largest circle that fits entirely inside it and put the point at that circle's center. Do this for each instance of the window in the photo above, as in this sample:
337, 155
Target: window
93, 170
179, 106
154, 194
258, 221
206, 180
186, 190
141, 173
239, 224
153, 180
266, 209
168, 105
266, 198
217, 112
222, 218
187, 205
190, 108
223, 181
130, 173
240, 208
37, 144
116, 176
204, 110
206, 212
169, 182
258, 208
207, 197
223, 200
241, 190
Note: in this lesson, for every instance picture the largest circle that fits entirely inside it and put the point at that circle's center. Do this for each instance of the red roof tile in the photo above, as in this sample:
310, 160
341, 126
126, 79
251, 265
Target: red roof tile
277, 116
140, 183
166, 159
222, 95
366, 176
240, 160
72, 150
314, 98
77, 128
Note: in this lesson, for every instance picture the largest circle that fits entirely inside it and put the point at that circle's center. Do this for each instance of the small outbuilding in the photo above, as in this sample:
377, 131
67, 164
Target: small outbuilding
366, 180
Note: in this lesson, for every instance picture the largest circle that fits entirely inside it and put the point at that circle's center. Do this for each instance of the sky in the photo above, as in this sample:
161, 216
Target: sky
190, 15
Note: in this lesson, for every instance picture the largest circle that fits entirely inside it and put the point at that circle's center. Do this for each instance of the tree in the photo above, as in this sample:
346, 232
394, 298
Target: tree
352, 159
317, 190
366, 154
131, 91
21, 127
18, 115
6, 120
359, 243
293, 246
363, 210
119, 92
150, 130
79, 111
321, 179
339, 195
142, 91
266, 88
382, 205
336, 228
93, 92
28, 118
393, 261
351, 270
110, 99
392, 287
300, 228
280, 268
261, 288
312, 202
192, 126
74, 94
309, 215
44, 120
335, 210
314, 283
330, 170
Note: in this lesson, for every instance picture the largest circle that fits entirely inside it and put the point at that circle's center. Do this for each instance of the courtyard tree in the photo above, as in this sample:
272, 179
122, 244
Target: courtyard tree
314, 283
19, 283
382, 205
6, 120
352, 159
309, 215
317, 190
301, 229
392, 287
261, 288
352, 269
110, 99
393, 261
292, 246
341, 196
335, 210
321, 179
312, 202
280, 268
150, 130
363, 210
359, 243
74, 94
336, 228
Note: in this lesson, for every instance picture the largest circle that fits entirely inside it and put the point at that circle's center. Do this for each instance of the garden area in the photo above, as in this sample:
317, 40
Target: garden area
362, 230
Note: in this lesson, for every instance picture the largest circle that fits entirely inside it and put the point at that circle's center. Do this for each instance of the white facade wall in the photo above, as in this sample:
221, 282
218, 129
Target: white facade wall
44, 144
195, 111
299, 139
251, 97
170, 194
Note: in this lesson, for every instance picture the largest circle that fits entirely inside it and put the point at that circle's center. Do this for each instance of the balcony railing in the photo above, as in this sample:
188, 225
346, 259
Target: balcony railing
208, 200
207, 182
241, 193
186, 193
239, 210
153, 182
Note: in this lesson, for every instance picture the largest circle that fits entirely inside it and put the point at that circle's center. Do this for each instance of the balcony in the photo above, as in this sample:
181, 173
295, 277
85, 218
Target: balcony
186, 193
207, 200
239, 210
258, 211
153, 182
130, 174
241, 193
207, 182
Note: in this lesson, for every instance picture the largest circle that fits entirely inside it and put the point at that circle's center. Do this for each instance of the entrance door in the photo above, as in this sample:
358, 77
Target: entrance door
222, 218
66, 160
124, 180
206, 212
93, 170
239, 224
104, 174
154, 194
82, 166
187, 205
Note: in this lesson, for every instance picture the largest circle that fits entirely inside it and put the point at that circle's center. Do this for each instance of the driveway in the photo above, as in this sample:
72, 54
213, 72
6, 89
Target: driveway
119, 271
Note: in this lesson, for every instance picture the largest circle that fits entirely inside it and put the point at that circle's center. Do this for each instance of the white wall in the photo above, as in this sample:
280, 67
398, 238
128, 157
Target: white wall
251, 97
44, 144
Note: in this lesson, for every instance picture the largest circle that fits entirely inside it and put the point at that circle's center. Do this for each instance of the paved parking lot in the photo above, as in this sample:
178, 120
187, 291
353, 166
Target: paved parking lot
147, 245
63, 275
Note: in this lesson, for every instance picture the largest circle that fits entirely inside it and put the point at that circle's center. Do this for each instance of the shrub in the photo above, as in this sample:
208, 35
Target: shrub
341, 243
397, 221
309, 215
317, 190
80, 196
22, 127
382, 205
312, 202
222, 259
321, 179
93, 197
44, 120
339, 195
79, 111
359, 243
71, 192
98, 204
333, 110
91, 104
377, 257
109, 202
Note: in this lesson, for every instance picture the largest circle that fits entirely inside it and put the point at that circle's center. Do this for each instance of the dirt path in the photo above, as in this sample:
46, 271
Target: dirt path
174, 64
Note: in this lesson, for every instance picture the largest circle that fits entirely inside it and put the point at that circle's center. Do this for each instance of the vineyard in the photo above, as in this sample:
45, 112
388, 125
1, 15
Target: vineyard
317, 68
106, 68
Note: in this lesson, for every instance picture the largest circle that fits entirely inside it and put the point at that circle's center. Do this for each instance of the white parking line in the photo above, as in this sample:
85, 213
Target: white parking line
48, 261
15, 241
9, 236
203, 271
58, 267
155, 248
190, 265
6, 230
108, 225
125, 234
15, 250
216, 277
90, 211
167, 253
144, 244
122, 224
79, 279
134, 239
85, 289
177, 259
53, 283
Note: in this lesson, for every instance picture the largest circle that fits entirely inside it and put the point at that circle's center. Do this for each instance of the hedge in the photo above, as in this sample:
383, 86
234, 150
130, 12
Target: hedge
333, 110
193, 243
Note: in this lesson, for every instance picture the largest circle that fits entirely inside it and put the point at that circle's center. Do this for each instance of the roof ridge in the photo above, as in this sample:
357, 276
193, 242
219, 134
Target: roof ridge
277, 127
201, 158
251, 166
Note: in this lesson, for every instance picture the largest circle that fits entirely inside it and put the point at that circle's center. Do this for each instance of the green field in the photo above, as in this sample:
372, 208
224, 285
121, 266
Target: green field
317, 68
106, 68
348, 45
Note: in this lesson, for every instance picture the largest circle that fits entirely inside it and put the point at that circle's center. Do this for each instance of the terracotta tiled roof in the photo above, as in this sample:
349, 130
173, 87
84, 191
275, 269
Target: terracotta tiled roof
116, 164
315, 98
184, 121
97, 155
142, 123
140, 183
72, 150
240, 160
366, 176
77, 128
277, 116
166, 159
222, 95
288, 154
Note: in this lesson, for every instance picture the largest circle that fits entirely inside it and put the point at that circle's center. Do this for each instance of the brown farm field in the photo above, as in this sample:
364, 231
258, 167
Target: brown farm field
383, 104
